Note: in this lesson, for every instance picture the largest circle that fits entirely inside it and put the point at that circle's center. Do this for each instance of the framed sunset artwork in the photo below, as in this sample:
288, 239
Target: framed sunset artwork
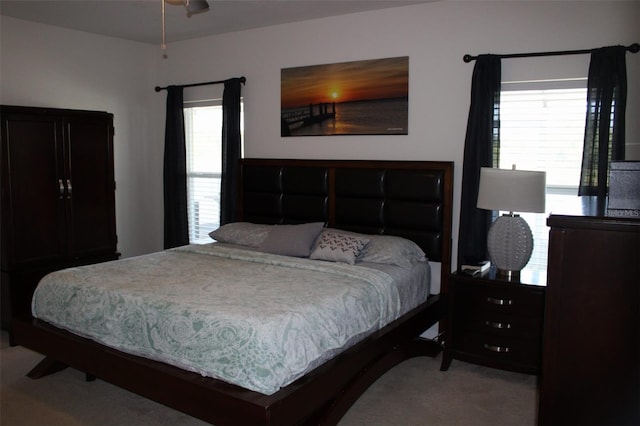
369, 97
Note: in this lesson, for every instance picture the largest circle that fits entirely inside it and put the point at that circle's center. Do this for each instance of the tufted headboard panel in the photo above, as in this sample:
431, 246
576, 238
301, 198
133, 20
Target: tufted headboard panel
411, 199
406, 203
278, 194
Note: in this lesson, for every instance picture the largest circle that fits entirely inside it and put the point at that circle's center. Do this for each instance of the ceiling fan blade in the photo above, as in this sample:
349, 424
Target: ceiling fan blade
196, 6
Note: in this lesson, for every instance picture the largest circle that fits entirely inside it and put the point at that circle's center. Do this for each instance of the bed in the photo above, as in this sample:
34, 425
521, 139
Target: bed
365, 202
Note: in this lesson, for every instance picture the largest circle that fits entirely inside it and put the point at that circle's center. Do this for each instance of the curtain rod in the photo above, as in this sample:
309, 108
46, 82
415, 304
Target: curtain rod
634, 48
242, 80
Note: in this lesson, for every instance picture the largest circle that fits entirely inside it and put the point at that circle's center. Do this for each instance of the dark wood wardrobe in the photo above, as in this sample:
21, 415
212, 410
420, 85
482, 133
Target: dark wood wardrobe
58, 197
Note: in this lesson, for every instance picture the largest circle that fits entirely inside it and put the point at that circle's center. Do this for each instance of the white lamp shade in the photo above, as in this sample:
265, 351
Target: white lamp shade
512, 190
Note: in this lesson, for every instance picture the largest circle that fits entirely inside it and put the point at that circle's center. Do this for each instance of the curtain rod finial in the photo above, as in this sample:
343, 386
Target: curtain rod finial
158, 88
467, 58
634, 48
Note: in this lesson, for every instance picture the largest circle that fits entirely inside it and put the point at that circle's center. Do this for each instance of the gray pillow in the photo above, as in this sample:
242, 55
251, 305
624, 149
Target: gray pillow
242, 233
338, 247
391, 250
292, 240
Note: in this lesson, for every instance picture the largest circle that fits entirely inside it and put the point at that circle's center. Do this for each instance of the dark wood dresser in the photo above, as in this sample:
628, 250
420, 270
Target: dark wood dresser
591, 339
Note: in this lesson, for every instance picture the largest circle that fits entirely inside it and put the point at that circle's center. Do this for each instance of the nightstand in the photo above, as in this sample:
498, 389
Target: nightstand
494, 322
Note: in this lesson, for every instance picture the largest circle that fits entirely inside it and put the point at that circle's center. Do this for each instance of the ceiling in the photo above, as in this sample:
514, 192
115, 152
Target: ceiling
141, 20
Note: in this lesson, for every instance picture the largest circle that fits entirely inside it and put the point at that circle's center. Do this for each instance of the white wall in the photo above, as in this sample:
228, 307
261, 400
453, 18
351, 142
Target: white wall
435, 36
43, 65
47, 66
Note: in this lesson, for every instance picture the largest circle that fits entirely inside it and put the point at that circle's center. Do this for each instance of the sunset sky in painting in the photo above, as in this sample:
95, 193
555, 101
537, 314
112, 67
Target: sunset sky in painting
344, 82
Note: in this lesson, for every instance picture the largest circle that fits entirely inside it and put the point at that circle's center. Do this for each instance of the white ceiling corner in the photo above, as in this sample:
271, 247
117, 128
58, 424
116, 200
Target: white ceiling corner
141, 20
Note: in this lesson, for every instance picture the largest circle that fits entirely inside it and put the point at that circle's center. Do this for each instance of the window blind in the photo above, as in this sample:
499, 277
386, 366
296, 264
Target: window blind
542, 129
203, 134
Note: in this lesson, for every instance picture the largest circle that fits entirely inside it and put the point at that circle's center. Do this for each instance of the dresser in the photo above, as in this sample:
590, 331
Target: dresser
591, 352
494, 322
58, 197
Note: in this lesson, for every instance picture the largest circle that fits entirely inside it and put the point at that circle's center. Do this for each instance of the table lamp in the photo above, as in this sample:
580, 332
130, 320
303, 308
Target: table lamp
510, 241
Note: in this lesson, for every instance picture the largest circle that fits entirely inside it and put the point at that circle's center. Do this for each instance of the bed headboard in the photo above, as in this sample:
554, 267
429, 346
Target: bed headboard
411, 199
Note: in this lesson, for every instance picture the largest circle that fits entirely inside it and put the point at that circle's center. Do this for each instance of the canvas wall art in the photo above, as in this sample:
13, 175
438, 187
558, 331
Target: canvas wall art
369, 97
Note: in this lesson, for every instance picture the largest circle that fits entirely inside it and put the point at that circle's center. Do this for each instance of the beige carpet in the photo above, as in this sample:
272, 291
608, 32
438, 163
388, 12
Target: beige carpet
414, 393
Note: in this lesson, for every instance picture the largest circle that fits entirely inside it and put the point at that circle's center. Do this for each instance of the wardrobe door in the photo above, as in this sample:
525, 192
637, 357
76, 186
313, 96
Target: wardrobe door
33, 190
90, 184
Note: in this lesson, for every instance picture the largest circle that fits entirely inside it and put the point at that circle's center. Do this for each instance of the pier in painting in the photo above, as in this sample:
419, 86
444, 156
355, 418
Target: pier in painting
306, 116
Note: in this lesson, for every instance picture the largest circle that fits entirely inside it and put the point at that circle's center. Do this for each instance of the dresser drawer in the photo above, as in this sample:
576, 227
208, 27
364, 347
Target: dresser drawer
500, 299
499, 324
499, 349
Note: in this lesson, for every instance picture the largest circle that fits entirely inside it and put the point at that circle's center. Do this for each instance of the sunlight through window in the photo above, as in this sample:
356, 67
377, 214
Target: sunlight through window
203, 137
543, 129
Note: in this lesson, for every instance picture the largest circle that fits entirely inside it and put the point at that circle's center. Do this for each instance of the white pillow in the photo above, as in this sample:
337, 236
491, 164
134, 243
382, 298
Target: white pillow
392, 250
338, 247
242, 233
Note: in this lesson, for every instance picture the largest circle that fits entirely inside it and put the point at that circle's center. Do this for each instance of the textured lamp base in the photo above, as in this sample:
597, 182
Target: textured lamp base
510, 244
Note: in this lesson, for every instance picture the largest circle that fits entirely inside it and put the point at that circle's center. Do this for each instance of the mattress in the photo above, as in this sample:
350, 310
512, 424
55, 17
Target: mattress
256, 320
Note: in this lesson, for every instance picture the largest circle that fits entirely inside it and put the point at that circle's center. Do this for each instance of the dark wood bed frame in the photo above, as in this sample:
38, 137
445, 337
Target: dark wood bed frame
411, 199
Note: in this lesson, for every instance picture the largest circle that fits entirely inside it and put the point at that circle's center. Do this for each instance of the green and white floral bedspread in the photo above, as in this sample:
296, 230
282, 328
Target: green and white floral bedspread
253, 319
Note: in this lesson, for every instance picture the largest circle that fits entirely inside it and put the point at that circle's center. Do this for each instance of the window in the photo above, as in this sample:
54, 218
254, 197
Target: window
542, 128
203, 137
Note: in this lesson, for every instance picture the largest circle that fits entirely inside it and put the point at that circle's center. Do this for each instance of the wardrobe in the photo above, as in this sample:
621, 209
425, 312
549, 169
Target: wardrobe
58, 197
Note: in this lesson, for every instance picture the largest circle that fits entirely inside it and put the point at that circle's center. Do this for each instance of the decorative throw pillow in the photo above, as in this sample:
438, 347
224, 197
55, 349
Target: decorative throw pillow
242, 233
292, 240
338, 247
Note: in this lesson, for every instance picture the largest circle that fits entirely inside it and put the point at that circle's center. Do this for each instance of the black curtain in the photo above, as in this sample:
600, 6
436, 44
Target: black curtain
231, 150
605, 123
481, 149
176, 225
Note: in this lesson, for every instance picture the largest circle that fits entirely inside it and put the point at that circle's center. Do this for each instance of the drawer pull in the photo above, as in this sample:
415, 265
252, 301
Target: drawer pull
493, 324
493, 348
60, 188
501, 302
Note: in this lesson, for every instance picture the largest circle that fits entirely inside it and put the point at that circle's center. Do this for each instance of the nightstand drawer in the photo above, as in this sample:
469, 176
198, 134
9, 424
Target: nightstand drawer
499, 349
501, 299
523, 327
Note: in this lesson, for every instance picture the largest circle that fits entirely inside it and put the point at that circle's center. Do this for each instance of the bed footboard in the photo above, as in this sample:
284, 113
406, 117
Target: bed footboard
321, 397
